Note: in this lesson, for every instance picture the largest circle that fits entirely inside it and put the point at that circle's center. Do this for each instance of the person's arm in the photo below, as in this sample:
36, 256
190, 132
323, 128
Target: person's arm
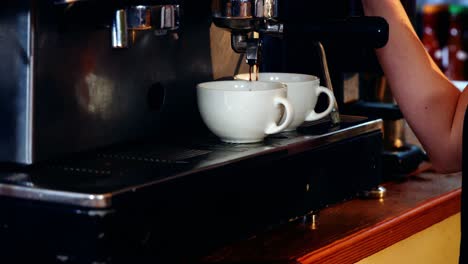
433, 107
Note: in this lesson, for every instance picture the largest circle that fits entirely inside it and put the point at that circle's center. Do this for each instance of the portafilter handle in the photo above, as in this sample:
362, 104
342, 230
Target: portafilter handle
365, 31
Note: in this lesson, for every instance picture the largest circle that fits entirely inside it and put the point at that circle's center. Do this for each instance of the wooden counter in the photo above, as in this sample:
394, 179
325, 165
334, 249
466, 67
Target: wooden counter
350, 231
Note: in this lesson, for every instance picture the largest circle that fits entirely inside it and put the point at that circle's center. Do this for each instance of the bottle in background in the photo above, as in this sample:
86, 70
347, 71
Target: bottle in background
457, 55
433, 16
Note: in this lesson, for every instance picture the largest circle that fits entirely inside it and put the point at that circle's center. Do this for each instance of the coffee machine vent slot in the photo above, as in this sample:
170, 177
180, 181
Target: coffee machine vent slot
187, 154
172, 157
140, 158
223, 146
86, 170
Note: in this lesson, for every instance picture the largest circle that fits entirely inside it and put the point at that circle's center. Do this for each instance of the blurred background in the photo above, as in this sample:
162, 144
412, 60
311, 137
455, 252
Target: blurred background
443, 28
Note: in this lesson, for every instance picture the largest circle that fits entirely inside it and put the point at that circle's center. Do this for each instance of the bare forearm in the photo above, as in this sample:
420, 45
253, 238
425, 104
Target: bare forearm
429, 102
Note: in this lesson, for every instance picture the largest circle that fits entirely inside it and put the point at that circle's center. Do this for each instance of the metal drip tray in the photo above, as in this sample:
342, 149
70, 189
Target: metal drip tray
106, 171
96, 179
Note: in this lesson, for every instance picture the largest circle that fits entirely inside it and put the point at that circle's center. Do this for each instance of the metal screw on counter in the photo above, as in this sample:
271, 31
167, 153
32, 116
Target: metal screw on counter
311, 220
376, 193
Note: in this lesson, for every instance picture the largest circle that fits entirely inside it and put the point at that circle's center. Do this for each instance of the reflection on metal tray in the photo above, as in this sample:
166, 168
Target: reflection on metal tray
95, 179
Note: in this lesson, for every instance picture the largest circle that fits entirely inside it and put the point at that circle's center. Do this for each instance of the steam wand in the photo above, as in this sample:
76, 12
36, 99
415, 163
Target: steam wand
334, 114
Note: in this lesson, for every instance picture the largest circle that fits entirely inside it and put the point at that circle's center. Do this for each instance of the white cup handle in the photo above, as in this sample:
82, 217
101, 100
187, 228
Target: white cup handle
331, 101
288, 116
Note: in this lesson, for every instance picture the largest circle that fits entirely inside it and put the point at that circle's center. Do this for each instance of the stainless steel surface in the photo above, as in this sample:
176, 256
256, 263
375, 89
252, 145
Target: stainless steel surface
160, 18
272, 28
334, 114
56, 196
310, 220
314, 220
242, 43
166, 17
246, 16
239, 42
139, 17
266, 8
252, 53
64, 89
120, 30
394, 134
243, 15
377, 193
17, 67
211, 154
245, 8
236, 23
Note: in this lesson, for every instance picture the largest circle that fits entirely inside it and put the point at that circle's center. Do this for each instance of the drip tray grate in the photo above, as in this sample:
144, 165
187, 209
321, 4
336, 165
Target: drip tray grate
118, 168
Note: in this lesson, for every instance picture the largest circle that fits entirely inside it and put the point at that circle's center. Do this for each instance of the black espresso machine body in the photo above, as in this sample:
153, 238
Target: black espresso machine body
88, 80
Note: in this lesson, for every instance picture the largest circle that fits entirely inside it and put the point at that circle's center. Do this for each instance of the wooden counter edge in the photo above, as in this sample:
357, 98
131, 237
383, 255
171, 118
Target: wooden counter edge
374, 239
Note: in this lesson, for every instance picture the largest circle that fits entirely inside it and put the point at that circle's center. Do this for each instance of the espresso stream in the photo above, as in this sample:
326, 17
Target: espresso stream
251, 70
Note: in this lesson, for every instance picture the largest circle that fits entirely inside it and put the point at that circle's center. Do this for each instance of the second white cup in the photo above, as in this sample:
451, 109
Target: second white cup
303, 92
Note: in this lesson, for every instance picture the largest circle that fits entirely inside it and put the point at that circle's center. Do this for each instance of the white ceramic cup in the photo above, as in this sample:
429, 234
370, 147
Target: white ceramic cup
243, 111
303, 92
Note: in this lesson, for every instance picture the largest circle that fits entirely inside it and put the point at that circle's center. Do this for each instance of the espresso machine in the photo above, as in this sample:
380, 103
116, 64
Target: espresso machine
104, 156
